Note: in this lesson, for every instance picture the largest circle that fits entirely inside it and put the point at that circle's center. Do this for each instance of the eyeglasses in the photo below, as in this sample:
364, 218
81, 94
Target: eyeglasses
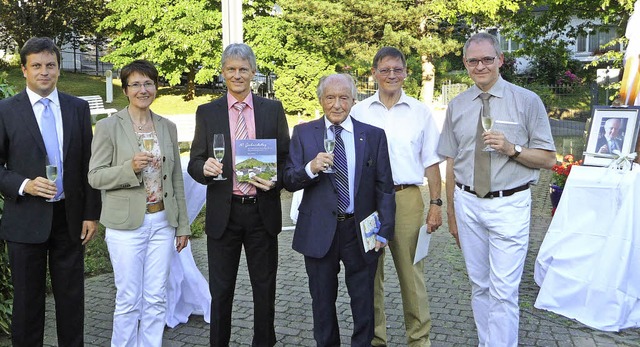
138, 86
386, 72
485, 61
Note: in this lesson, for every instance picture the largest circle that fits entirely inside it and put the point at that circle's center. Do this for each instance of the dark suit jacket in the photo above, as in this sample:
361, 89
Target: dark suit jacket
212, 118
603, 141
27, 219
373, 187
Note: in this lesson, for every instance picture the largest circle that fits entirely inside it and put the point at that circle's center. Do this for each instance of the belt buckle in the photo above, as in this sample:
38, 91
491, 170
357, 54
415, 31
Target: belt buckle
248, 200
341, 218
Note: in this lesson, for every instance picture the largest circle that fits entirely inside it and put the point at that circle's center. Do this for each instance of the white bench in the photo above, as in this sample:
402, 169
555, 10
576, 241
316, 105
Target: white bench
96, 106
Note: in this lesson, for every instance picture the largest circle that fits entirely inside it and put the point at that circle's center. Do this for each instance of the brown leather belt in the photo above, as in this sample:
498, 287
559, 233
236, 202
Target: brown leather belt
496, 194
341, 217
244, 199
400, 187
155, 207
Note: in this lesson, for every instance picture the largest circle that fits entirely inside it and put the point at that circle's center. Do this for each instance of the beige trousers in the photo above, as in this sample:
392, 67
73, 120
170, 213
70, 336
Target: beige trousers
415, 302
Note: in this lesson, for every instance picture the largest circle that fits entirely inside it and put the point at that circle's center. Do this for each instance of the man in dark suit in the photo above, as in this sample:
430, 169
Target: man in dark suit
240, 214
611, 140
328, 230
43, 221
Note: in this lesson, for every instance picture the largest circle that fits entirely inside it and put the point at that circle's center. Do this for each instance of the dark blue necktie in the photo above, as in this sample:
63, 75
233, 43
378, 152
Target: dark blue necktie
50, 137
342, 174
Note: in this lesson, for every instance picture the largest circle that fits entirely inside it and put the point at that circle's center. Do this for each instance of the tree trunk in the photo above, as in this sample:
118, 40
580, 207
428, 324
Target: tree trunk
191, 86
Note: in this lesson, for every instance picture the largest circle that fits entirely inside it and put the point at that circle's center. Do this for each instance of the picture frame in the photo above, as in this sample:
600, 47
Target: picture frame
612, 128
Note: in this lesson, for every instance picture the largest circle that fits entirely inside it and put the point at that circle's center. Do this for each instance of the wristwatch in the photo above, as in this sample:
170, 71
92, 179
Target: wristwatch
436, 202
518, 150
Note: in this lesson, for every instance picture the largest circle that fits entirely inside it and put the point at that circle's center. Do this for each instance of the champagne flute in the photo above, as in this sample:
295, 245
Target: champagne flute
51, 170
329, 145
147, 144
487, 124
218, 152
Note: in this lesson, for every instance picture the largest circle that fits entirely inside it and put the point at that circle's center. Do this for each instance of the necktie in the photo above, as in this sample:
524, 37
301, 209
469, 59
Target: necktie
340, 165
50, 137
612, 146
482, 160
241, 134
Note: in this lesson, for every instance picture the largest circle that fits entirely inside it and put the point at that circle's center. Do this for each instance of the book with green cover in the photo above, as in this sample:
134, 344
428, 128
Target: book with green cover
257, 157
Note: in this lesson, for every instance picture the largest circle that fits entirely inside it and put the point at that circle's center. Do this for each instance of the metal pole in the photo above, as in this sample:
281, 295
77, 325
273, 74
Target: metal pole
231, 22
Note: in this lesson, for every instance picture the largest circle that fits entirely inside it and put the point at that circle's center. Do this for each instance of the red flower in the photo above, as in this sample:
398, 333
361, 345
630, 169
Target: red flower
561, 170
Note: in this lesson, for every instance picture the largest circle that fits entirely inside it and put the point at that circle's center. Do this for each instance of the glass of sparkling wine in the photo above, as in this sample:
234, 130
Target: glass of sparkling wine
147, 144
52, 173
218, 152
329, 145
487, 124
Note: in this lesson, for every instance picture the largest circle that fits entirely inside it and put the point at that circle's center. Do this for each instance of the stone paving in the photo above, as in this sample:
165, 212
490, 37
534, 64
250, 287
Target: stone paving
447, 285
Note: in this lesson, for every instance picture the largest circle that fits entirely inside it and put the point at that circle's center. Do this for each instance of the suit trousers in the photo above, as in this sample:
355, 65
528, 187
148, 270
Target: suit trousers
494, 237
28, 273
245, 228
141, 259
323, 287
415, 302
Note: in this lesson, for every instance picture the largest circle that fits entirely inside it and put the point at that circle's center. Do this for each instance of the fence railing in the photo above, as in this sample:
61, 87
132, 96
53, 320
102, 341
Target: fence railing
560, 100
84, 62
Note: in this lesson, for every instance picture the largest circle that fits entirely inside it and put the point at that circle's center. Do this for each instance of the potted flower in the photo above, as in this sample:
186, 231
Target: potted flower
559, 179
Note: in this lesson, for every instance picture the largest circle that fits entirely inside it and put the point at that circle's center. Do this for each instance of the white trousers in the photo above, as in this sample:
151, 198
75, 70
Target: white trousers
494, 236
141, 260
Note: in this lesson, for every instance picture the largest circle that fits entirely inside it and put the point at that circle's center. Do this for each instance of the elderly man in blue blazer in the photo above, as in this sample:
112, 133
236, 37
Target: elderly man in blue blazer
334, 204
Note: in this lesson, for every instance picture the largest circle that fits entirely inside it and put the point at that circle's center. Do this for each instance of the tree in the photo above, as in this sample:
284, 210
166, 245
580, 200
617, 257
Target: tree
325, 36
546, 27
59, 20
180, 37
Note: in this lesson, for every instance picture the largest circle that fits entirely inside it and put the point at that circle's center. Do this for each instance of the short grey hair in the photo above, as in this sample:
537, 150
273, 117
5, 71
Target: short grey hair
327, 79
479, 37
239, 51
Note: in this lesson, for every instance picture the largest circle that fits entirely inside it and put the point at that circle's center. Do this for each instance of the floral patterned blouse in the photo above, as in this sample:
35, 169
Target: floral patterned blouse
152, 175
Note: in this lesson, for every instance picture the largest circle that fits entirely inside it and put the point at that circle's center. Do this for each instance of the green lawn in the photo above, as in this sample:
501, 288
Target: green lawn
168, 102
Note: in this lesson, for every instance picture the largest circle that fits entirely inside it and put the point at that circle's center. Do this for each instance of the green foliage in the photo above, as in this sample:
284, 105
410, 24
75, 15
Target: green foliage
309, 39
180, 37
551, 63
96, 257
539, 31
61, 20
6, 90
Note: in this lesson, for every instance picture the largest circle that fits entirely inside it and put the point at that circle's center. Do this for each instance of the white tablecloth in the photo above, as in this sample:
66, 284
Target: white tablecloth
187, 290
588, 267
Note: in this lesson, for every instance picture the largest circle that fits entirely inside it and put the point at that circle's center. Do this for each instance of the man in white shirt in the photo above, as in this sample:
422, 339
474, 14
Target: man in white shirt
413, 138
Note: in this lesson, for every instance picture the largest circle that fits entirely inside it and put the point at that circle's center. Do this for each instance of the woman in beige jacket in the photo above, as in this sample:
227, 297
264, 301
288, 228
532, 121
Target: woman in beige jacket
135, 161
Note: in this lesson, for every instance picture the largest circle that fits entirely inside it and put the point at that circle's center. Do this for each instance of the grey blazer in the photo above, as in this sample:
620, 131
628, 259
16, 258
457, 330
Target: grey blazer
123, 194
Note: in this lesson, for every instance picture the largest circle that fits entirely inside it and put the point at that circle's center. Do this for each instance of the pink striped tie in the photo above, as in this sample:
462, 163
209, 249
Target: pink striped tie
241, 134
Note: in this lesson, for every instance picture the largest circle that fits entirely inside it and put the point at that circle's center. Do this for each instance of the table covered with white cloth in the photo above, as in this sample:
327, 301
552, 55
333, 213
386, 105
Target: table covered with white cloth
187, 290
588, 266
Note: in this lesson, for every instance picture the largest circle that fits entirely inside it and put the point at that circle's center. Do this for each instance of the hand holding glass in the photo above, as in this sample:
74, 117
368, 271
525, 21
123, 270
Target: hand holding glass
487, 124
329, 145
52, 173
218, 152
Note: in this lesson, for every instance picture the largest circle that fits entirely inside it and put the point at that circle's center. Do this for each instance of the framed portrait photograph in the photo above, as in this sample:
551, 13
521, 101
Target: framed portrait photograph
612, 130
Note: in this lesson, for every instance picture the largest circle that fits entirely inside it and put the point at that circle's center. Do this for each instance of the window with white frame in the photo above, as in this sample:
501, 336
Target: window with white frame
594, 39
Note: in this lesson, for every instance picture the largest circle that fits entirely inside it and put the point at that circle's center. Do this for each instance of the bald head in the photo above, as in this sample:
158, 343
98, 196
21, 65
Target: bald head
612, 128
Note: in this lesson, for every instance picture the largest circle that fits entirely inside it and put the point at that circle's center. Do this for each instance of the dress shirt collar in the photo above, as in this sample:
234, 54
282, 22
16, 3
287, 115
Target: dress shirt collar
231, 101
497, 90
346, 124
404, 99
34, 97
